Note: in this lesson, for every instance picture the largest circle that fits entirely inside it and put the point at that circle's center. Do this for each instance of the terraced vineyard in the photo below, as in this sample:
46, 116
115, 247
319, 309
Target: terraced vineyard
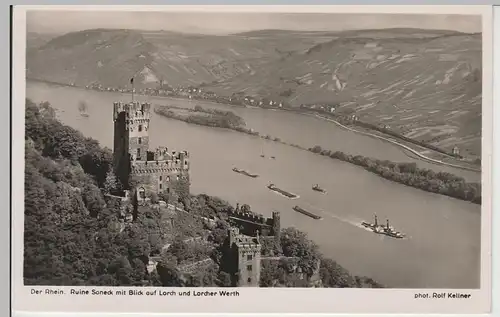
423, 84
426, 89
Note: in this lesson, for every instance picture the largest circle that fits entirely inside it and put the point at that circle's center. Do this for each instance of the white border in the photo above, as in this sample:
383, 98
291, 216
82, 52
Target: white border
252, 300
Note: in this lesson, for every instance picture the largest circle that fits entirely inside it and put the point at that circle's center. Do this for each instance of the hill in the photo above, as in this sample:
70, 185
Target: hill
424, 88
374, 33
110, 57
424, 84
34, 40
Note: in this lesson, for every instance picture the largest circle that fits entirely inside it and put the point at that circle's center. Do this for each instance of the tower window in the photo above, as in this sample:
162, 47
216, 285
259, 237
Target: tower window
249, 257
249, 268
168, 178
161, 186
142, 193
139, 140
249, 280
161, 177
140, 127
138, 154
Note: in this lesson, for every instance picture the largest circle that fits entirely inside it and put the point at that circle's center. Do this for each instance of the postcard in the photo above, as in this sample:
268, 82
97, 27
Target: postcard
252, 159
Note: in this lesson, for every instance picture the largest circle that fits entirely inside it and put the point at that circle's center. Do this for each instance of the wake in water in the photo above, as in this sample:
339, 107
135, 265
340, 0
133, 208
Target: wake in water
355, 222
333, 216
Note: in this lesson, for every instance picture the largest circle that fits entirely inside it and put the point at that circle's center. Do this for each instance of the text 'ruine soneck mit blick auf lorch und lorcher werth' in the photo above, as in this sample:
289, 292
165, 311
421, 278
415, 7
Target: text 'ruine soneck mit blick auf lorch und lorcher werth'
133, 292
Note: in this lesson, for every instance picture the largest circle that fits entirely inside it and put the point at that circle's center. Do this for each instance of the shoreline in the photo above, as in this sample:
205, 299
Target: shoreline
416, 173
417, 155
423, 157
193, 229
348, 266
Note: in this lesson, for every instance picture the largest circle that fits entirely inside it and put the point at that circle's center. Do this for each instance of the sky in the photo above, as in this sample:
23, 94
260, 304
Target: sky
225, 23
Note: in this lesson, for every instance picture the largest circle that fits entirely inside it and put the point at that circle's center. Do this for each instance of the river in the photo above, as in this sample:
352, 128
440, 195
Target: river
443, 248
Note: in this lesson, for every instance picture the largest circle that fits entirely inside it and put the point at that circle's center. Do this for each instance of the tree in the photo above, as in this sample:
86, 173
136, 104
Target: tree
316, 149
169, 275
154, 199
111, 183
296, 244
181, 250
224, 279
93, 200
333, 275
269, 273
180, 188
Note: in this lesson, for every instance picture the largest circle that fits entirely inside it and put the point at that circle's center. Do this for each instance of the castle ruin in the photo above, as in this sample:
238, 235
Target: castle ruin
246, 258
139, 170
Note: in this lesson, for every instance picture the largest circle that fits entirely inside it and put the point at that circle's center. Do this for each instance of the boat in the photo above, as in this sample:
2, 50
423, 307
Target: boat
273, 157
307, 213
240, 171
282, 192
319, 189
82, 107
386, 230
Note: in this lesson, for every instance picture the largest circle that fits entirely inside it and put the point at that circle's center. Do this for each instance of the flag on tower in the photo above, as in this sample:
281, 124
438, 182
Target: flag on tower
133, 89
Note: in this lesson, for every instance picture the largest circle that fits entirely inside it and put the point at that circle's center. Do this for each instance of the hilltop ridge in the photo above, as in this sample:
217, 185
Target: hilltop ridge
425, 84
398, 32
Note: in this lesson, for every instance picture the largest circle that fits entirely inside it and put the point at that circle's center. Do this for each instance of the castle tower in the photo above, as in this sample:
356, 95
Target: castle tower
131, 137
184, 160
247, 255
276, 223
233, 235
249, 264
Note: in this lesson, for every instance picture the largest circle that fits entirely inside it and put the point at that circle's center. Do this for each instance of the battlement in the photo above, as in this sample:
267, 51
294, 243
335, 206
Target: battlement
254, 217
241, 240
165, 166
132, 110
249, 216
161, 154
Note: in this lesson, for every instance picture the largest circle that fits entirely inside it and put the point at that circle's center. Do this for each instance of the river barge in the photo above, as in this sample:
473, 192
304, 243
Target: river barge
386, 230
318, 189
307, 213
282, 192
243, 172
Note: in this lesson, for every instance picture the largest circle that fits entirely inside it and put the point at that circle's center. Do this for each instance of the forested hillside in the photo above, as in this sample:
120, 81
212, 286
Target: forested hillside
72, 238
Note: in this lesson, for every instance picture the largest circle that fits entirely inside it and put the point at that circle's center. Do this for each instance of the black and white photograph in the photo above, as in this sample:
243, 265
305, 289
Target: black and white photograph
205, 149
